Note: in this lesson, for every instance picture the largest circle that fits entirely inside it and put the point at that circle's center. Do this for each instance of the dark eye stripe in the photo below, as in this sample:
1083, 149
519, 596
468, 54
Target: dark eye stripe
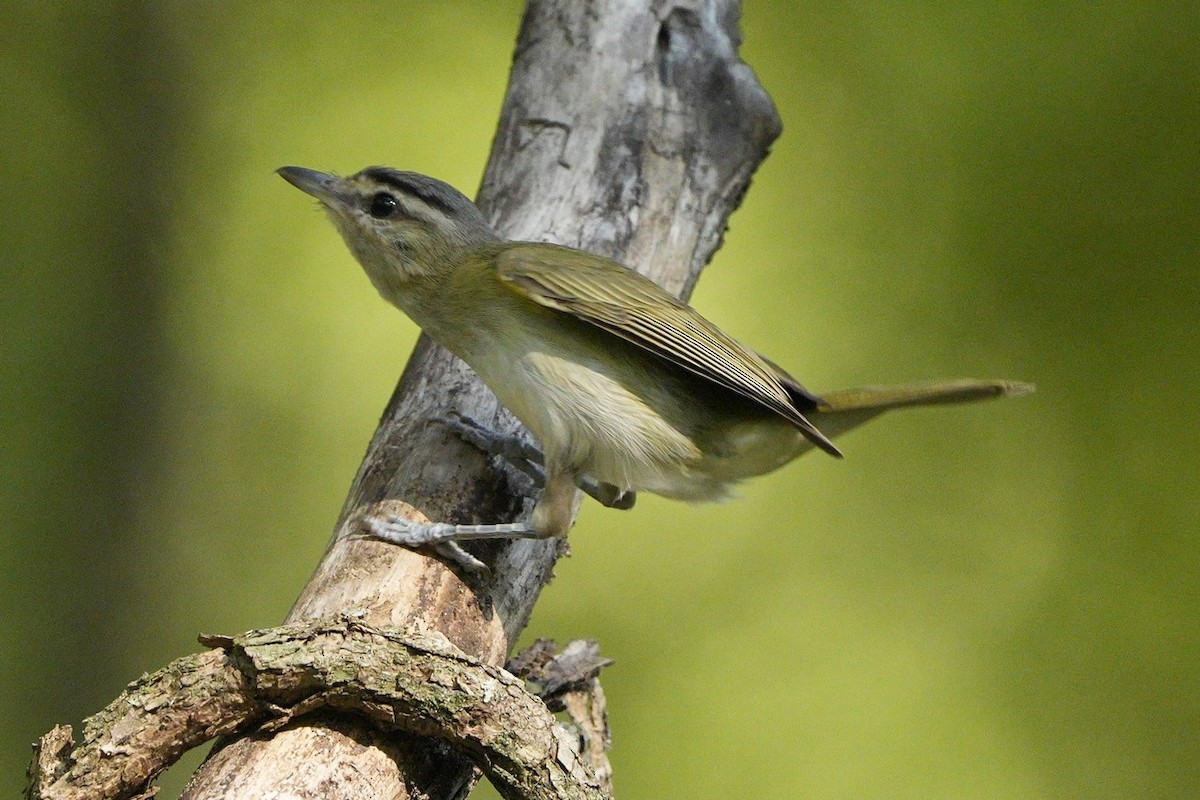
432, 192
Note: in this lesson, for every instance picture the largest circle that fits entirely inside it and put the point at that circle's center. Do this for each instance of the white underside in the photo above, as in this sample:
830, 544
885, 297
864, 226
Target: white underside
584, 417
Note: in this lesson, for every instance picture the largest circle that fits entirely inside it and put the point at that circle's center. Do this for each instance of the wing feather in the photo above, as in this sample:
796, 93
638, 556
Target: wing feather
622, 302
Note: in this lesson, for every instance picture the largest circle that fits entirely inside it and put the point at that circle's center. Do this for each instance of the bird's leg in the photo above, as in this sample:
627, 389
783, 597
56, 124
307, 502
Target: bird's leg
399, 530
443, 536
528, 459
514, 449
552, 514
551, 517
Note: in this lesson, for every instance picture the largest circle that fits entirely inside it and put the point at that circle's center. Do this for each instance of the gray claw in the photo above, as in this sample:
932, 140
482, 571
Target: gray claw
453, 552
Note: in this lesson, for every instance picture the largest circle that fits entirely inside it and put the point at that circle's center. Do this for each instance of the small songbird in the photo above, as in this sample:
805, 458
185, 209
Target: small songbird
625, 387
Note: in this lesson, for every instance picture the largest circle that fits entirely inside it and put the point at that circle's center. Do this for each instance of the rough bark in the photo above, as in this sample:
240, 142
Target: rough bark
629, 129
288, 679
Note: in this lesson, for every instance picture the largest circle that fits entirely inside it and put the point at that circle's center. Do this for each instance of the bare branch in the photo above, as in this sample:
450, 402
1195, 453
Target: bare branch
267, 679
630, 129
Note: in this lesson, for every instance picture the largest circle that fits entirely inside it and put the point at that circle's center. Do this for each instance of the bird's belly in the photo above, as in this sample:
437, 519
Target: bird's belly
671, 434
584, 414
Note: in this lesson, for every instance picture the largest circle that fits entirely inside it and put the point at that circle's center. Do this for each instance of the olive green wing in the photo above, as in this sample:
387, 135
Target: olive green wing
622, 302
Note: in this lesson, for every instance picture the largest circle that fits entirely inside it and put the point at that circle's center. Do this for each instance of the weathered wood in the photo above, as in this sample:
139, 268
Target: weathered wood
276, 678
629, 129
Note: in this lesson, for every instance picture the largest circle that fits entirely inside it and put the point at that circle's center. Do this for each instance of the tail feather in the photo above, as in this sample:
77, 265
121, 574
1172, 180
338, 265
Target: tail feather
918, 394
839, 411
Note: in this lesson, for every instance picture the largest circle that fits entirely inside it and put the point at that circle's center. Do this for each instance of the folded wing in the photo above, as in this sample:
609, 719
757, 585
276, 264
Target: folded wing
625, 304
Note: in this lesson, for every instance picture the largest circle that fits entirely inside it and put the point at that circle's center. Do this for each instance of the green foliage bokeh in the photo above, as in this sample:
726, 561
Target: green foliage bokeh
991, 602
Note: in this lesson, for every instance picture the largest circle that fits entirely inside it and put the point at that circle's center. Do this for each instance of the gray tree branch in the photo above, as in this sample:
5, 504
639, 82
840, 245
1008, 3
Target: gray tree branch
269, 679
630, 129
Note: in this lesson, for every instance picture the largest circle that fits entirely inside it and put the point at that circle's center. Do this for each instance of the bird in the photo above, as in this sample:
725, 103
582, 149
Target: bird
625, 387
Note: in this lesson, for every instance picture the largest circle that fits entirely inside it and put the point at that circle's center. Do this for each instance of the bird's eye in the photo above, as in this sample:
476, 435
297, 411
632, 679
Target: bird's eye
383, 205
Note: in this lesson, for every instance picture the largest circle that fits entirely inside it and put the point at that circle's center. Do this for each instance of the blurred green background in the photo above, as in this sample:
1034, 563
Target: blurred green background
993, 602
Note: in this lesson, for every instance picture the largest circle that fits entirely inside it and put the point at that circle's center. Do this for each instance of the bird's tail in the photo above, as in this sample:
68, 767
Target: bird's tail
841, 410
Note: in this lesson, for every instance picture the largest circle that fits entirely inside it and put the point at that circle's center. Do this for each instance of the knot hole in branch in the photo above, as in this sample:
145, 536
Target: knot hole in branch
672, 44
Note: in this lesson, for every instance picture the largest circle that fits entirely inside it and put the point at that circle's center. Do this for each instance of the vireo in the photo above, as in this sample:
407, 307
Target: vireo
625, 387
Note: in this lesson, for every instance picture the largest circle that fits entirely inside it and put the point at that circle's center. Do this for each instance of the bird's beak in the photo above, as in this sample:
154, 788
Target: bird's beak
321, 185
